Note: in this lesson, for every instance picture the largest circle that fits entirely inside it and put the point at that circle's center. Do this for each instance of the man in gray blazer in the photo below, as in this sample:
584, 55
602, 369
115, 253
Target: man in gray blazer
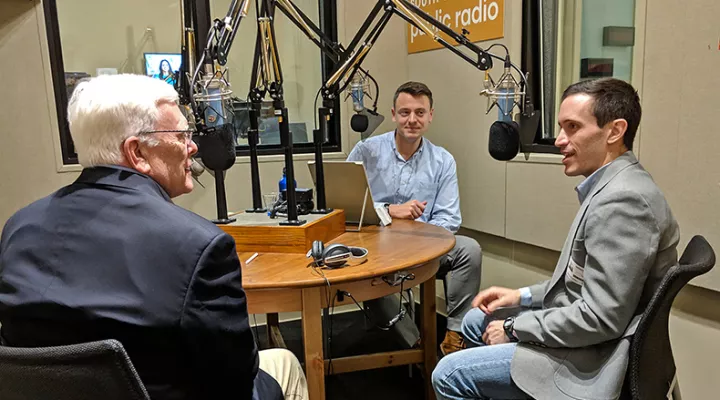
568, 337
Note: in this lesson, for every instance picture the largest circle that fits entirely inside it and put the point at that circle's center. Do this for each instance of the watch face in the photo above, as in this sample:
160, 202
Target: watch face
508, 324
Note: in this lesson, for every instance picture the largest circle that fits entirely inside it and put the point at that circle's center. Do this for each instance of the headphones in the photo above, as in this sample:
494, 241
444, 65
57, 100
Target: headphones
336, 255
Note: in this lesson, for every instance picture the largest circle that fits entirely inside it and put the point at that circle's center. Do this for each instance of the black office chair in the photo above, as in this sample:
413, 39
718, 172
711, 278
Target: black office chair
95, 370
651, 371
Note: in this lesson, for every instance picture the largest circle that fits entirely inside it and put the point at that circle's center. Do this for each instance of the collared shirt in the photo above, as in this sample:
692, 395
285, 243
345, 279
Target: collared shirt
583, 189
429, 175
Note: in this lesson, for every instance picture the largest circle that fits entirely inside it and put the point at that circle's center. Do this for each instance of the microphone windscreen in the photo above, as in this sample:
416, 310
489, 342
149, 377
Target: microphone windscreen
374, 120
359, 122
504, 140
217, 145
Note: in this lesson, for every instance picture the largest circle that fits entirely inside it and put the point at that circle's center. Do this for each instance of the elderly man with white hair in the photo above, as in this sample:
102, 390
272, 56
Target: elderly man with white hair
111, 256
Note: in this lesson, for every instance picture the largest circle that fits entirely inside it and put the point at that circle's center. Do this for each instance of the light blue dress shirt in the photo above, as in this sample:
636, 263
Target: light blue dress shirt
429, 175
583, 189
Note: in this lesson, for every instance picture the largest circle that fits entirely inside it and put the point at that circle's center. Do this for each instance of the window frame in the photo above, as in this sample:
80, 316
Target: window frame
531, 59
327, 10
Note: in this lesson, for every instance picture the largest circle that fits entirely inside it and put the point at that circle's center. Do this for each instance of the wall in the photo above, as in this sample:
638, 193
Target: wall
529, 202
26, 115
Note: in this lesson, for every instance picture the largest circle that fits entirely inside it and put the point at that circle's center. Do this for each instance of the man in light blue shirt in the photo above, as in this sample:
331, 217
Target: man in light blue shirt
415, 179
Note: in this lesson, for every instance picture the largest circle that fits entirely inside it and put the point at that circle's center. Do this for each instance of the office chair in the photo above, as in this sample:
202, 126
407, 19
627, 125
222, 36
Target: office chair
95, 370
651, 370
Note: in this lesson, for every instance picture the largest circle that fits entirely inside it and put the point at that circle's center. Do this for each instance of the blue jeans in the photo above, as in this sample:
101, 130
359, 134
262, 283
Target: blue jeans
479, 372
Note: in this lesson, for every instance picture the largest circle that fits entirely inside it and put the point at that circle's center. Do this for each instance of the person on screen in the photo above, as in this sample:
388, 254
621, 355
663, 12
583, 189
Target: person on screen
165, 72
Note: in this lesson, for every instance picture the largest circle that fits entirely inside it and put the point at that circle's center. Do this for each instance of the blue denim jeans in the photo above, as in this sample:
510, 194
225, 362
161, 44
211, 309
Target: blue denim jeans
479, 372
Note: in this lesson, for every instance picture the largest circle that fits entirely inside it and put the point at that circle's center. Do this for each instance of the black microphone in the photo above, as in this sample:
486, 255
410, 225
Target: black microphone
217, 145
504, 140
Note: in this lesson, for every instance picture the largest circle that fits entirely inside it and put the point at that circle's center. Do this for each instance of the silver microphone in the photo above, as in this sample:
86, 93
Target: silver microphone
364, 121
357, 90
213, 95
506, 94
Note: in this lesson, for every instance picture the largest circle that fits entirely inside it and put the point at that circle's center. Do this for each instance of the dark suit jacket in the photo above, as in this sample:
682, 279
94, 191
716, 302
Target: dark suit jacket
110, 256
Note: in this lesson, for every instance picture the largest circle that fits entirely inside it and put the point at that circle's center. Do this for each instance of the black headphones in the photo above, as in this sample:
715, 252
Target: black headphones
336, 255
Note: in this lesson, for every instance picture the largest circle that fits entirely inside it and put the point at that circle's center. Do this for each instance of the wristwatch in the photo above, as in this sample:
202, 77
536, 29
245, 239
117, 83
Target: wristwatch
508, 327
387, 207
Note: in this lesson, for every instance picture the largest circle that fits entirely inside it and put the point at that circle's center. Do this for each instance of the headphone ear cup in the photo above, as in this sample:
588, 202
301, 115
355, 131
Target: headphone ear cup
334, 250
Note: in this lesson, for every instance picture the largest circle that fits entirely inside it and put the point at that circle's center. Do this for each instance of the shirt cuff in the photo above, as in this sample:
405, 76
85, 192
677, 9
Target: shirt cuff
525, 297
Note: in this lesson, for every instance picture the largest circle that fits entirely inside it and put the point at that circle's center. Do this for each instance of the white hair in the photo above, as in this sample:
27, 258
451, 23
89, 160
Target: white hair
106, 110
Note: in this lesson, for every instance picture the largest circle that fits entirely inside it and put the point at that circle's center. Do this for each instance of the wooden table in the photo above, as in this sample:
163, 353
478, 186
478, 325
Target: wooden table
284, 282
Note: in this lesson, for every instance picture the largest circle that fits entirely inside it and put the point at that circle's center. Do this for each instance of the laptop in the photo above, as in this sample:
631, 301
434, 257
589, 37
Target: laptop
347, 188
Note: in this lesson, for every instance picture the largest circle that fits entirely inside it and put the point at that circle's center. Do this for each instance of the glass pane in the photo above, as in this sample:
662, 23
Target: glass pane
117, 36
602, 50
300, 62
582, 39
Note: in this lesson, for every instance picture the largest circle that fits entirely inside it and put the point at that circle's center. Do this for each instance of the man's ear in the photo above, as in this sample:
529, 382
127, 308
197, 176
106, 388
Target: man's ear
134, 155
392, 110
618, 128
431, 115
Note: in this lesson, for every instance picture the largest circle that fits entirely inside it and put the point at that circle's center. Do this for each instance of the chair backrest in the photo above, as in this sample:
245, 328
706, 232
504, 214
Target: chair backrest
651, 368
95, 370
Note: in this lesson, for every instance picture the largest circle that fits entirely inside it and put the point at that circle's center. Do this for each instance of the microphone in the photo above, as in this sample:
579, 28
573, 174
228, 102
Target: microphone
357, 92
217, 134
359, 122
365, 121
506, 94
504, 140
213, 95
372, 121
218, 147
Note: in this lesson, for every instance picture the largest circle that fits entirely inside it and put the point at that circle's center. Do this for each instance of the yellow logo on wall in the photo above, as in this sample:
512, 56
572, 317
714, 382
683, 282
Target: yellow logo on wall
483, 18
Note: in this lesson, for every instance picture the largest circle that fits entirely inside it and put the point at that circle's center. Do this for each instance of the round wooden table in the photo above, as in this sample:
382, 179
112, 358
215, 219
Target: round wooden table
283, 282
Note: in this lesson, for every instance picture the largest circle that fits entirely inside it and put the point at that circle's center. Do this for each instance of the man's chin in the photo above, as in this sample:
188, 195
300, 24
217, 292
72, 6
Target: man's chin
570, 171
412, 136
189, 186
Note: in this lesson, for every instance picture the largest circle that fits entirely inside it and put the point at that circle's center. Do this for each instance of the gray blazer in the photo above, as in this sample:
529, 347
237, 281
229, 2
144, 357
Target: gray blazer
575, 343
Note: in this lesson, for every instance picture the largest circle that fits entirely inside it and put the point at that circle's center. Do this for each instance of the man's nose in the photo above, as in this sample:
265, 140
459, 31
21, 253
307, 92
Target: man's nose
192, 148
561, 140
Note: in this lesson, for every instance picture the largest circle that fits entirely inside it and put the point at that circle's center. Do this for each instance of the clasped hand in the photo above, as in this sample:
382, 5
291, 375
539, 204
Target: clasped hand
490, 300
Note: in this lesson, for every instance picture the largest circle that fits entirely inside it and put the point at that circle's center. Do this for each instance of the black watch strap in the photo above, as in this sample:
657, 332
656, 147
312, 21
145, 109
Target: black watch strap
508, 326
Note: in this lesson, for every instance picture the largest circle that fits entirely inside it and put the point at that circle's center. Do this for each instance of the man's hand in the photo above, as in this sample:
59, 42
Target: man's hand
490, 299
495, 333
413, 209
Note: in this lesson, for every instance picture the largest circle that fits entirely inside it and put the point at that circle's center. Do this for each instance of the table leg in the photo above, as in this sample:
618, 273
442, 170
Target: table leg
274, 337
429, 333
312, 340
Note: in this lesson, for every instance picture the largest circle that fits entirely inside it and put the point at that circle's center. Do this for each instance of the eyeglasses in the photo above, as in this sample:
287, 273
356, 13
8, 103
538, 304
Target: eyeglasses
187, 133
